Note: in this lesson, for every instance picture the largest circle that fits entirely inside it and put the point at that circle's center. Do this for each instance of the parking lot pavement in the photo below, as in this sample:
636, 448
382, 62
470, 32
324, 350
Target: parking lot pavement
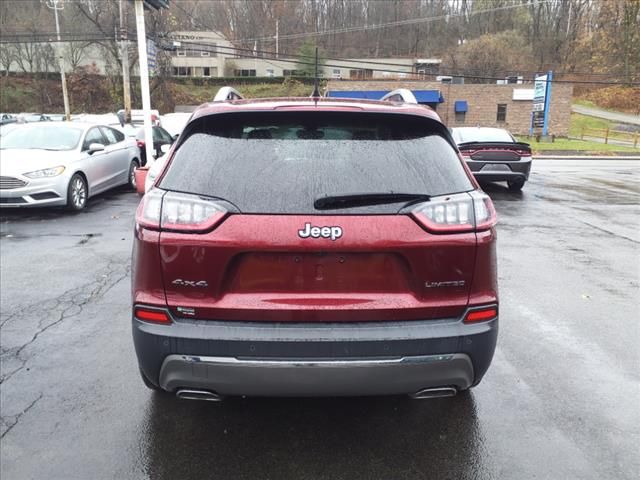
560, 400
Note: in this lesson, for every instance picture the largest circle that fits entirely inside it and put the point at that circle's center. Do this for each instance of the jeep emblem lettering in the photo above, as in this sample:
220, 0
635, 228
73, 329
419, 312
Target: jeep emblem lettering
333, 233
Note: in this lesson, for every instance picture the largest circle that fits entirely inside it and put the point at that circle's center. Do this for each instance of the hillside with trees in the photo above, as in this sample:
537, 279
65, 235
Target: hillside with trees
595, 43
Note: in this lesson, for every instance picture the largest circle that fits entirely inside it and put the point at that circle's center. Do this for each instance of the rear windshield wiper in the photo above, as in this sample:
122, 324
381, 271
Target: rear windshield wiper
365, 199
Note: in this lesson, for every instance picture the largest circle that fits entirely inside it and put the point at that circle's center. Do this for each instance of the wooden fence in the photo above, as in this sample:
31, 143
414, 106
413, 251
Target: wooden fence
632, 138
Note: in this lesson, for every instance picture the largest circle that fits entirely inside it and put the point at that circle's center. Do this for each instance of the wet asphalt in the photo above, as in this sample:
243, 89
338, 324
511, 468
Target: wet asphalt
561, 399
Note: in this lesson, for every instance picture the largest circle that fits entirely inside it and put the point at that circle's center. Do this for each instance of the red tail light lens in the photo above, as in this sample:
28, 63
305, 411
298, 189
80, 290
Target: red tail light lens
481, 315
154, 316
179, 212
149, 210
140, 143
464, 212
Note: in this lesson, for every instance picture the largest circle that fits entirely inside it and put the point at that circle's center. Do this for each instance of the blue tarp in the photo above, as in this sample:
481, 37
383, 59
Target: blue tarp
428, 96
423, 96
461, 106
366, 94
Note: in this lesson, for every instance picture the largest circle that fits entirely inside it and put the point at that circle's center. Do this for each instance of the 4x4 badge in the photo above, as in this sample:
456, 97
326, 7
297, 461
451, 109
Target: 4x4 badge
190, 283
333, 233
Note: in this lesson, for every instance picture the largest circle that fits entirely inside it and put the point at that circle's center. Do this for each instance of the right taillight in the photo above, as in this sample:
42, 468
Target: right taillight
178, 212
151, 315
481, 315
459, 213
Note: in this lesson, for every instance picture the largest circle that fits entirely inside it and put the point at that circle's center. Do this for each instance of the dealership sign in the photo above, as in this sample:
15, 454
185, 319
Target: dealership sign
541, 101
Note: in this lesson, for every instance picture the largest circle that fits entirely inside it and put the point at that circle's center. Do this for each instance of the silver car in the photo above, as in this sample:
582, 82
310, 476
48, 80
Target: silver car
48, 164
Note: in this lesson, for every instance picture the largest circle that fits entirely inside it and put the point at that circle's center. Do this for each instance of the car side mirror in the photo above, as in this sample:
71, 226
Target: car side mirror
165, 148
95, 147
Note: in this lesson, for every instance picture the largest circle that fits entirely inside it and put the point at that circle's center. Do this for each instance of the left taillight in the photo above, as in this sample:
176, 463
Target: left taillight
179, 212
465, 212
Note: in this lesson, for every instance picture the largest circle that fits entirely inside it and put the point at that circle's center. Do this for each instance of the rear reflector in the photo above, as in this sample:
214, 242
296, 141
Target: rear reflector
481, 315
155, 316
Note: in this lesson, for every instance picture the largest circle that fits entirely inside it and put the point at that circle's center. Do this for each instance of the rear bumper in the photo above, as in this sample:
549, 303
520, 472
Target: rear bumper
257, 359
500, 171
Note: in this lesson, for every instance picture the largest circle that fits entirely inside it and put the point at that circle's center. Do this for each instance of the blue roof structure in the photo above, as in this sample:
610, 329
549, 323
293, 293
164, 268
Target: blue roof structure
423, 96
366, 94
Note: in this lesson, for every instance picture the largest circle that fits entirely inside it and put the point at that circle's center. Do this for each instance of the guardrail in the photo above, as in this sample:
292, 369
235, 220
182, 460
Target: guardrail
608, 134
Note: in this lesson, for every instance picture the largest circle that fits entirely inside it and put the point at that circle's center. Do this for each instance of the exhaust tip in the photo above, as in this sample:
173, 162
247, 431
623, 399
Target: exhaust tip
437, 392
189, 394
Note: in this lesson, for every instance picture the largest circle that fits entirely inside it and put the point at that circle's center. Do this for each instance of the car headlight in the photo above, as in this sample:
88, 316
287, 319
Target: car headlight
47, 172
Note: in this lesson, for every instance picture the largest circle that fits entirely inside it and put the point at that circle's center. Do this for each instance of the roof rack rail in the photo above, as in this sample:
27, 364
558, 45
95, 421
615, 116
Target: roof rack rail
400, 95
226, 94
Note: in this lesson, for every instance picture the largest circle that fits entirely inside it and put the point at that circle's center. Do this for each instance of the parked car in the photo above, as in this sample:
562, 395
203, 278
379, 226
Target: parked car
60, 163
154, 171
7, 127
6, 118
34, 117
494, 155
137, 117
160, 137
174, 123
314, 247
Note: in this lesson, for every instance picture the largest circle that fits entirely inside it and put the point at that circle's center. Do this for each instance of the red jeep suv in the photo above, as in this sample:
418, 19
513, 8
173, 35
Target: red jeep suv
314, 247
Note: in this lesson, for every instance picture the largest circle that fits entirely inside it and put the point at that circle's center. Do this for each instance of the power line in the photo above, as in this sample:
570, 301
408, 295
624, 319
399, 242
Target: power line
97, 36
399, 23
301, 61
345, 63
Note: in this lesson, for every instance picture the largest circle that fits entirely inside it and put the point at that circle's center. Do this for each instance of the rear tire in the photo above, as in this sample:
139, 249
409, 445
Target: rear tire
132, 174
77, 193
515, 185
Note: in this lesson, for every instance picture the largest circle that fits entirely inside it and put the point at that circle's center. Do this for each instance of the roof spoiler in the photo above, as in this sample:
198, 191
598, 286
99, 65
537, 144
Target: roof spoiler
400, 95
226, 94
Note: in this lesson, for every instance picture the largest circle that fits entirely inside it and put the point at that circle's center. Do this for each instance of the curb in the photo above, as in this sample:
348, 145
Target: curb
586, 157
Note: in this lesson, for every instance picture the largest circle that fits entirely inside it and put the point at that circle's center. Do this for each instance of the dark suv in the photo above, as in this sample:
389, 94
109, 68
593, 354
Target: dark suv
314, 247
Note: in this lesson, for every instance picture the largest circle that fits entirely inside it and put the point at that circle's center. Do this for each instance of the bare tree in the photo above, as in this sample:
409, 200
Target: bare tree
7, 57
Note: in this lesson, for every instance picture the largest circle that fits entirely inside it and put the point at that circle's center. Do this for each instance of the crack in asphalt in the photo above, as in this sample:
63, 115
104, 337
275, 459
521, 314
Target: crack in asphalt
16, 418
72, 302
608, 231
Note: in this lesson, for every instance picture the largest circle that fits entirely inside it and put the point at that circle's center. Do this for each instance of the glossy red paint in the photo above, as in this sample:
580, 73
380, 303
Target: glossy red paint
257, 267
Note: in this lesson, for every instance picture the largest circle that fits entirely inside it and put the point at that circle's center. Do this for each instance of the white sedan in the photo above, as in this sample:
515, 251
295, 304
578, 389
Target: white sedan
61, 163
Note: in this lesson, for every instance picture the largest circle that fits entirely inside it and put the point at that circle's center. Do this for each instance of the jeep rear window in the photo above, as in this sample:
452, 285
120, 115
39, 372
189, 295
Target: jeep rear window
280, 162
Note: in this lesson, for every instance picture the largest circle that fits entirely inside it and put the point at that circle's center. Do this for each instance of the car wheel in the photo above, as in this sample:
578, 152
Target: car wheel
515, 185
148, 384
77, 193
132, 173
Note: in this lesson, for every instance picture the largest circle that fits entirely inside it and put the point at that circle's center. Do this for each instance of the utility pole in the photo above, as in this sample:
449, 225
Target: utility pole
56, 5
277, 38
124, 53
144, 80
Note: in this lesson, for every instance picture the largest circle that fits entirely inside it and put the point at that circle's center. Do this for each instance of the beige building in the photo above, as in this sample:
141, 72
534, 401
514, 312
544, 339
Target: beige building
199, 54
210, 54
489, 105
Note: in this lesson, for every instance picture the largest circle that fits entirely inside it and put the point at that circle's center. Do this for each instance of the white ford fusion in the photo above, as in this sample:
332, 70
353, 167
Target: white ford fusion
49, 164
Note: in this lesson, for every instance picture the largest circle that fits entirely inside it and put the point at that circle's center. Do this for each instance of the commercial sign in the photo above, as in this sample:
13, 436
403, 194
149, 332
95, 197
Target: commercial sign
152, 53
541, 101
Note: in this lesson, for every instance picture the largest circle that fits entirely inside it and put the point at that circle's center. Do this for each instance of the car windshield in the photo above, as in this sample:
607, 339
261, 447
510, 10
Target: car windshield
41, 137
251, 159
464, 135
